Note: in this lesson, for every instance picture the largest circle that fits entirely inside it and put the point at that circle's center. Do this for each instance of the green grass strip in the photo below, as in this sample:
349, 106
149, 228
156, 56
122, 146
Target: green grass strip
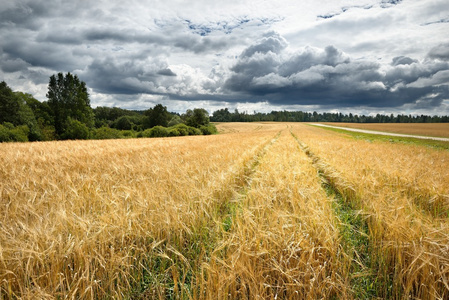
354, 234
389, 139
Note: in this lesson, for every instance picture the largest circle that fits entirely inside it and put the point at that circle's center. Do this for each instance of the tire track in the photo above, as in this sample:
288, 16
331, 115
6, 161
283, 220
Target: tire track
242, 183
353, 229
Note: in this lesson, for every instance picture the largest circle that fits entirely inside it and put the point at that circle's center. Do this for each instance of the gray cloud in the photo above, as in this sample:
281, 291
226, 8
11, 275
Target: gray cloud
402, 60
328, 77
440, 52
166, 72
14, 65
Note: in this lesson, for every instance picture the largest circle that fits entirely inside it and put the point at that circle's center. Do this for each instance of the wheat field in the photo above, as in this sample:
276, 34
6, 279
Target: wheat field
259, 211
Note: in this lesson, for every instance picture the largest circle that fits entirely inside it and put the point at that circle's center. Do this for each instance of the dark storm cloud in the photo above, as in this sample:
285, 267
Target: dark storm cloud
14, 65
38, 54
328, 77
29, 15
115, 77
171, 37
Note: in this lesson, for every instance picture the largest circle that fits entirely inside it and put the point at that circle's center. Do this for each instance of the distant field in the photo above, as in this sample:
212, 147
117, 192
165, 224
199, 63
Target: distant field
260, 211
426, 129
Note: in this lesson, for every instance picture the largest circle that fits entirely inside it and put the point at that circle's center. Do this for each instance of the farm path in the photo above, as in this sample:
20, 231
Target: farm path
384, 133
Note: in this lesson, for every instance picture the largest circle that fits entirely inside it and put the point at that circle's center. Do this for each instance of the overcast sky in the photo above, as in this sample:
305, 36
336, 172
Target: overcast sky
364, 56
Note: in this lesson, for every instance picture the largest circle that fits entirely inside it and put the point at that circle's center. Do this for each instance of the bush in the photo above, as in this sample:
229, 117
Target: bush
173, 132
20, 133
4, 134
9, 133
123, 123
8, 125
194, 131
183, 129
209, 129
75, 130
128, 133
156, 131
104, 133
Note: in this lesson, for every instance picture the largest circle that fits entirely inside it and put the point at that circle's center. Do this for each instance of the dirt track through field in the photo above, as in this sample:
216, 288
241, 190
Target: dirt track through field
385, 133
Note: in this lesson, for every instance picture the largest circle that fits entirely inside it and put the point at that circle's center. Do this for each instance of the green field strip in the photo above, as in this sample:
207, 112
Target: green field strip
389, 139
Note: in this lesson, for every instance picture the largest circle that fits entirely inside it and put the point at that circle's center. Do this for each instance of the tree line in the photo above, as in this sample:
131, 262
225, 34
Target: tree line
67, 114
224, 115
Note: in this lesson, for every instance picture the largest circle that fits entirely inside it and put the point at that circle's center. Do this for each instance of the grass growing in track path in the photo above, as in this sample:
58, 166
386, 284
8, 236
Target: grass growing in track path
353, 232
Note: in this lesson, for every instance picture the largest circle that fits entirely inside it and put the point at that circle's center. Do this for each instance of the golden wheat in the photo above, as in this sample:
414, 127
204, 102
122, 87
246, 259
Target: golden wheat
243, 214
283, 242
78, 216
403, 192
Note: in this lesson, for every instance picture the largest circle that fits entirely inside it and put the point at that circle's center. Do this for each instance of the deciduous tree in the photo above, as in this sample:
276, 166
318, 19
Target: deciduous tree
68, 98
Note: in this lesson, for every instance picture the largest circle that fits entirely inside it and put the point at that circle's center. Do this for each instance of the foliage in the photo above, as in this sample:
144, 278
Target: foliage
158, 131
173, 132
224, 115
68, 98
10, 133
105, 116
27, 116
156, 116
175, 121
128, 133
104, 133
182, 128
14, 108
9, 105
75, 130
196, 118
209, 129
127, 122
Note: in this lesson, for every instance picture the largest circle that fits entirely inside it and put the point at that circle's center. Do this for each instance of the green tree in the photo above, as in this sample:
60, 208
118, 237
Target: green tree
9, 106
222, 115
27, 117
15, 109
174, 121
68, 98
75, 130
157, 116
196, 118
123, 123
